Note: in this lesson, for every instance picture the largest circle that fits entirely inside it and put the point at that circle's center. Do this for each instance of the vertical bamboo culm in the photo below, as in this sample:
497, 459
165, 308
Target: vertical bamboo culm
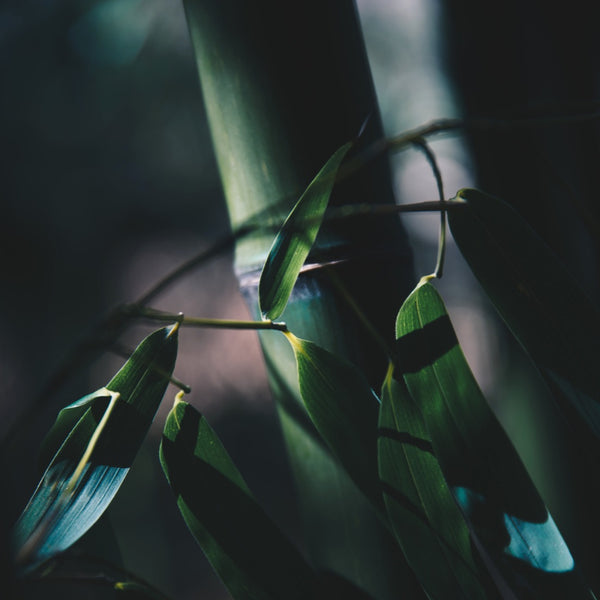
285, 85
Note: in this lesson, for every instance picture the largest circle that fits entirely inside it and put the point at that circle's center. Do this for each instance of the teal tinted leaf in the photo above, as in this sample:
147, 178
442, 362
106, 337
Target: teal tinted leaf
422, 511
541, 302
250, 554
480, 464
295, 239
344, 410
95, 454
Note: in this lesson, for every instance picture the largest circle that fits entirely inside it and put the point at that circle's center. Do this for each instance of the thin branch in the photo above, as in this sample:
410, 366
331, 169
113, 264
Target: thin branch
225, 243
362, 317
112, 326
483, 123
438, 126
105, 333
159, 315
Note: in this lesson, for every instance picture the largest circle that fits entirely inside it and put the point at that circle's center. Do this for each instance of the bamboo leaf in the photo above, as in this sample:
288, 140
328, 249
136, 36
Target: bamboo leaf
541, 302
423, 513
344, 410
250, 554
480, 464
295, 239
95, 451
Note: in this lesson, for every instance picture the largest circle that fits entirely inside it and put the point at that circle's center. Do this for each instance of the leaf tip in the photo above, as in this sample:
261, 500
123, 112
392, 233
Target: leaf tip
172, 330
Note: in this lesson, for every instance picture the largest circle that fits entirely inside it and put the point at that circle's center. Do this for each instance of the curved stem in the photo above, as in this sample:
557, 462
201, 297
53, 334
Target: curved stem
431, 159
448, 125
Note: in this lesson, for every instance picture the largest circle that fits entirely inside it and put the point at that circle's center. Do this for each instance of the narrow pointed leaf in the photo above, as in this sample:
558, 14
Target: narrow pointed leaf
250, 554
480, 464
95, 453
295, 239
344, 410
541, 302
423, 513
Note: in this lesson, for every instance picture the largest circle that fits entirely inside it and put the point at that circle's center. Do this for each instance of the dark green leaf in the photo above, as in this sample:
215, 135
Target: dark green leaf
480, 464
95, 452
252, 557
344, 409
295, 239
541, 302
426, 520
342, 529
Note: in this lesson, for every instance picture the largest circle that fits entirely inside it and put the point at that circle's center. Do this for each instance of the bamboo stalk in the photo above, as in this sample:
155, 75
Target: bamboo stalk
285, 85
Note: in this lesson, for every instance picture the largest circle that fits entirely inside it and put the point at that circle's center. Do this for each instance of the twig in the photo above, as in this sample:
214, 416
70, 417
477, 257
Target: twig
159, 315
109, 328
360, 314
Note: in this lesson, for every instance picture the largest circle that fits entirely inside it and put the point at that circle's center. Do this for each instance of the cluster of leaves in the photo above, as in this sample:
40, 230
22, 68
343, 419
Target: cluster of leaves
426, 451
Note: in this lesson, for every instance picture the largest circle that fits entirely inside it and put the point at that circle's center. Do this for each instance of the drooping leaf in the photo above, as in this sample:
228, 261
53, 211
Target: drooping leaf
422, 511
95, 450
343, 531
295, 239
479, 462
541, 302
250, 554
344, 410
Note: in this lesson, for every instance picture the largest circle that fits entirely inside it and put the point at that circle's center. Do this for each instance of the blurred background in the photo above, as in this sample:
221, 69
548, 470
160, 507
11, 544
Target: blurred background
109, 182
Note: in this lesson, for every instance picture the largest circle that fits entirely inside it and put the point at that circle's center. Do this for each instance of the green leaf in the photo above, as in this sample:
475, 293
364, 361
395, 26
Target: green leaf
480, 464
344, 410
342, 529
295, 239
425, 518
541, 302
250, 554
96, 448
